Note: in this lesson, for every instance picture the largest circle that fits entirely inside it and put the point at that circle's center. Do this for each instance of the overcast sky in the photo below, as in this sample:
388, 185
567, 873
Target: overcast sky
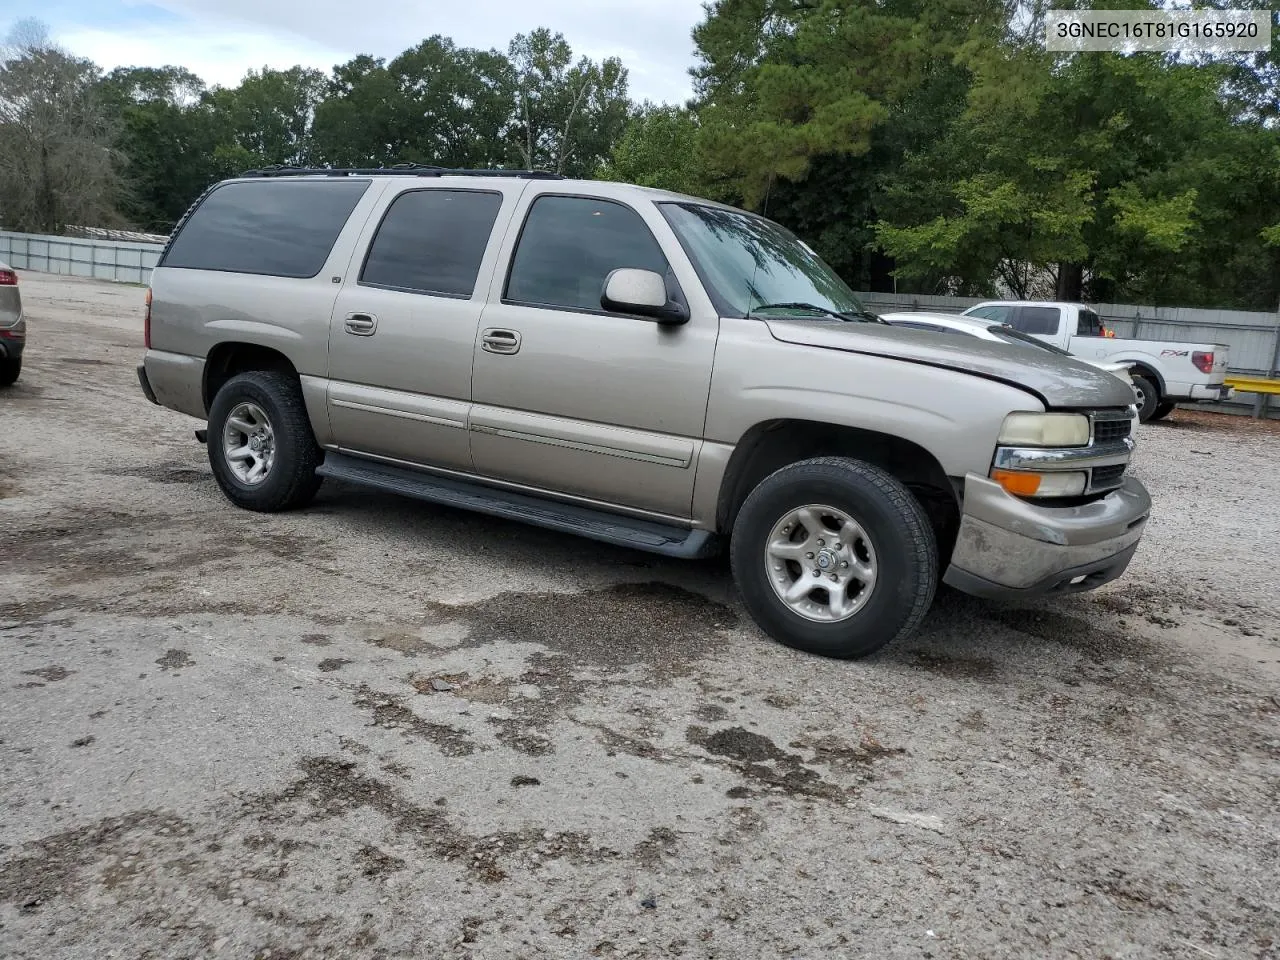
220, 39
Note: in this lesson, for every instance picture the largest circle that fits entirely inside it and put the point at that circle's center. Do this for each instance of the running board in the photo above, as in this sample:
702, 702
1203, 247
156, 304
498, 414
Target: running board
670, 541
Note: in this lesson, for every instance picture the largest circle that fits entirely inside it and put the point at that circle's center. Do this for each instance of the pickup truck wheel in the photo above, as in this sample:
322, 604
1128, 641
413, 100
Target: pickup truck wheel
10, 367
835, 557
261, 448
1165, 408
1148, 397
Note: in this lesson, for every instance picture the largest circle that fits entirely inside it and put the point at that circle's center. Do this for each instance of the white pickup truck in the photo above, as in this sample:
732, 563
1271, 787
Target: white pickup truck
1165, 372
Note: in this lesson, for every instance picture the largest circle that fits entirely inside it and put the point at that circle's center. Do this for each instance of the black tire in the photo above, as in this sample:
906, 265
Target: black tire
1150, 397
1165, 408
292, 481
10, 367
895, 522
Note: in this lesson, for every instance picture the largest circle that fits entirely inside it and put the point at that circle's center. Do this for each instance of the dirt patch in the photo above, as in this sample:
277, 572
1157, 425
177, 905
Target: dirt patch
52, 674
1194, 420
377, 863
759, 759
168, 473
175, 660
960, 667
410, 644
333, 787
56, 865
391, 713
332, 664
83, 361
24, 613
316, 639
711, 713
661, 626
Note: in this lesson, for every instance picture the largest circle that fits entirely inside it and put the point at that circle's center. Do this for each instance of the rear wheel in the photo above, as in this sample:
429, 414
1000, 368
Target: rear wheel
10, 367
834, 556
261, 448
1148, 397
1162, 410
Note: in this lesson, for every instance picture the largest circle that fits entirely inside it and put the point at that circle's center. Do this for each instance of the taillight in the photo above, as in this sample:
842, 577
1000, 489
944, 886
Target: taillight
8, 278
146, 322
1203, 361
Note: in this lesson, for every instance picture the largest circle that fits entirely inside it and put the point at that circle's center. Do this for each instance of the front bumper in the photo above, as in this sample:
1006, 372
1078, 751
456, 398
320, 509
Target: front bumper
1009, 548
1218, 392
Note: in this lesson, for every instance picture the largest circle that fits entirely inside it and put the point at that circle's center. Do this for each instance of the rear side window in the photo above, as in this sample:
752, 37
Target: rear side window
1035, 320
568, 247
1089, 324
996, 314
280, 228
432, 241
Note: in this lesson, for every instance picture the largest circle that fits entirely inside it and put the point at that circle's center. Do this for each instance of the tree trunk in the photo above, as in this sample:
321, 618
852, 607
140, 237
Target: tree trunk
1070, 281
48, 213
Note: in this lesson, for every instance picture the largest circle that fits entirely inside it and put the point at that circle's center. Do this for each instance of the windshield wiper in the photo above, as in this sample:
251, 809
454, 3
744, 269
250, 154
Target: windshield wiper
851, 315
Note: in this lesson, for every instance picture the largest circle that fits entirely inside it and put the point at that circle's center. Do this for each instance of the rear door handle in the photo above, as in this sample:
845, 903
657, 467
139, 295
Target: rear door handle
361, 324
500, 341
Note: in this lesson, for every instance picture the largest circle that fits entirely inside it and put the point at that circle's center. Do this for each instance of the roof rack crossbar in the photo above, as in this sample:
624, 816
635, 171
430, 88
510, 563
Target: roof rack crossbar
401, 170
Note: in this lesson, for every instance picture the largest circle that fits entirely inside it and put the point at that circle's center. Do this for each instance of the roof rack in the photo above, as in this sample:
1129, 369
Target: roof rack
399, 169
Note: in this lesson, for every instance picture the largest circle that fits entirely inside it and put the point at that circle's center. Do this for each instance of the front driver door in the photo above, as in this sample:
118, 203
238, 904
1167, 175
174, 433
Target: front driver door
571, 398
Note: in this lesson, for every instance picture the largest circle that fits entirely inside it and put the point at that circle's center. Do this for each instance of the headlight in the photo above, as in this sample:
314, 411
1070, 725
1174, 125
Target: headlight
1025, 483
1045, 430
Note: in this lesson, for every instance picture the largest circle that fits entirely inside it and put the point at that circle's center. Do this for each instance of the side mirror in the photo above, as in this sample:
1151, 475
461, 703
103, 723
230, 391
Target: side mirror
642, 293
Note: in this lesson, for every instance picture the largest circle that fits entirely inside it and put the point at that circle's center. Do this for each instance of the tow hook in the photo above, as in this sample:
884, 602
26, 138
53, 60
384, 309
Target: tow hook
202, 436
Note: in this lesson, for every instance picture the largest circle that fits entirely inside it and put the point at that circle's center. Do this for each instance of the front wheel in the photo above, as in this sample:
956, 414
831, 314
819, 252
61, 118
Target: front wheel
1163, 410
10, 368
261, 448
835, 557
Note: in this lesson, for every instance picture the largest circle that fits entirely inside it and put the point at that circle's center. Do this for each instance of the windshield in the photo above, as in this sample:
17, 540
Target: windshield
1011, 335
748, 263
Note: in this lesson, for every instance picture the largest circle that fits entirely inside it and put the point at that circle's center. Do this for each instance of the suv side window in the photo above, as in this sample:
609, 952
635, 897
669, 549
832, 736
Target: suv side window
994, 314
432, 242
1089, 325
1036, 320
569, 245
279, 228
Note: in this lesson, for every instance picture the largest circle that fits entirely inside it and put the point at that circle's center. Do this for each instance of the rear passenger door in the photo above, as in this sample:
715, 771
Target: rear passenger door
1043, 323
578, 400
404, 326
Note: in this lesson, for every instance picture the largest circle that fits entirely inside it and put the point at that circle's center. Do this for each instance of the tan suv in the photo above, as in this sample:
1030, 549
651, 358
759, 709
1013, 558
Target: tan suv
642, 368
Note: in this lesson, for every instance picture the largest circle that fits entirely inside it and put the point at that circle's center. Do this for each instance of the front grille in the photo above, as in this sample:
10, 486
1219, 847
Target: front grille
1105, 431
1104, 478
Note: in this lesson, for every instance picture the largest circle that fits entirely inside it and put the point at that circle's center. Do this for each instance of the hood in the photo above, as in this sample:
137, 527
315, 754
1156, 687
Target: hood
1059, 381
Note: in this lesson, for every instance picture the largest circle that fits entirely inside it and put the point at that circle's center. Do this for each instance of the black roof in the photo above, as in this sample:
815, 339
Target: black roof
399, 169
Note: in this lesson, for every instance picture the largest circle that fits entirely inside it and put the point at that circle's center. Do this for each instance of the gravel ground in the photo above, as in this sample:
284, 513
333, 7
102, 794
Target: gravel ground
382, 729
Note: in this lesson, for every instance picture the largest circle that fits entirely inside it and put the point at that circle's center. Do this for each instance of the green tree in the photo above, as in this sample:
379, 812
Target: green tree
434, 104
167, 140
659, 148
1120, 174
568, 114
270, 114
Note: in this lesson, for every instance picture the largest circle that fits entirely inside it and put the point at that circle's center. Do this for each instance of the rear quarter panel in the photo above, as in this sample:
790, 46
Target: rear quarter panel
193, 311
1169, 359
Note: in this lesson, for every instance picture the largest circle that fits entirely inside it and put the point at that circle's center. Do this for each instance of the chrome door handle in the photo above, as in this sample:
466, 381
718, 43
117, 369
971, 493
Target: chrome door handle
500, 341
361, 324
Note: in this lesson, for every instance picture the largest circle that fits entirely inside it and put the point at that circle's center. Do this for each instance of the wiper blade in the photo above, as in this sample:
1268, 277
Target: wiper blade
800, 305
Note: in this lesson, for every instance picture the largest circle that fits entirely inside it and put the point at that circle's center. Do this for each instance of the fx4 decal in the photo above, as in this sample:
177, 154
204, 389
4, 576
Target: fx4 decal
1174, 353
